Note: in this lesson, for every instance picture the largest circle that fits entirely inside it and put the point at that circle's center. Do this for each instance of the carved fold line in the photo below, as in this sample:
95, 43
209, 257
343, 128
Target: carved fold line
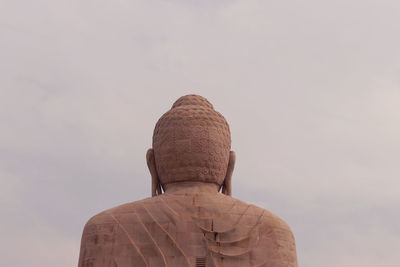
152, 239
225, 231
213, 214
169, 236
226, 242
258, 222
169, 207
223, 243
241, 216
230, 255
248, 233
240, 239
201, 228
230, 241
181, 203
130, 238
231, 208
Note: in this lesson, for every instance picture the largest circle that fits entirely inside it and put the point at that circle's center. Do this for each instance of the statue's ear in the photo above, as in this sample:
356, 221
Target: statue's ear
155, 181
227, 185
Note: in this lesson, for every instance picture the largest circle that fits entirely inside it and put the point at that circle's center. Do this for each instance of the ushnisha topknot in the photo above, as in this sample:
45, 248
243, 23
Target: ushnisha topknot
191, 142
194, 100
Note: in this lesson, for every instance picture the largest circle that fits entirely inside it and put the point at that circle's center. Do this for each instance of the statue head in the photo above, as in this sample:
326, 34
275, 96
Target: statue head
191, 143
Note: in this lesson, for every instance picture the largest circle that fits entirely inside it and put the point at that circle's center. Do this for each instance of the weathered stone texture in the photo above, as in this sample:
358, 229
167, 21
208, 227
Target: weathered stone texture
191, 223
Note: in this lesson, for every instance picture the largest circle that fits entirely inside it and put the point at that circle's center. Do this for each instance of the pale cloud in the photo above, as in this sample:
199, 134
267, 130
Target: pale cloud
310, 89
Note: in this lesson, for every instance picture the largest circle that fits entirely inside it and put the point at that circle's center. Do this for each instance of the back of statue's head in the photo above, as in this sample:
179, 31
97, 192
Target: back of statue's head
191, 142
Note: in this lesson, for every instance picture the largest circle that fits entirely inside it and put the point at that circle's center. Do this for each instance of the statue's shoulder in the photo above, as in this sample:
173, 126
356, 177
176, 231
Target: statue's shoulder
273, 221
112, 215
248, 215
276, 239
107, 234
270, 224
247, 230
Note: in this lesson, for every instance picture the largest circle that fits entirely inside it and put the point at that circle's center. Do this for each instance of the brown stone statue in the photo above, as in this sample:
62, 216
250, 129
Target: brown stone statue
187, 221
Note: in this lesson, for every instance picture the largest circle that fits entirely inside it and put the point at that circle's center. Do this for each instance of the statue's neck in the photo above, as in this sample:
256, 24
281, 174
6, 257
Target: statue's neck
190, 187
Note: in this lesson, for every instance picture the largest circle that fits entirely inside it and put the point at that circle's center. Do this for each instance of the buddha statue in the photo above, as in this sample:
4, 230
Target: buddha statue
191, 218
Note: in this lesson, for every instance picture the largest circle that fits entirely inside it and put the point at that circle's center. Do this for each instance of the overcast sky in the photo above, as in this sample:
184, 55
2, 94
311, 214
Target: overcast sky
311, 90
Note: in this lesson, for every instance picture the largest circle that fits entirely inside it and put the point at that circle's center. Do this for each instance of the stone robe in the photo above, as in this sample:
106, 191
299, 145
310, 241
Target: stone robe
187, 229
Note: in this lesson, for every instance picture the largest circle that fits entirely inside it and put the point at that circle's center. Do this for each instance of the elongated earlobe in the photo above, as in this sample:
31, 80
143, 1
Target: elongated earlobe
227, 185
155, 181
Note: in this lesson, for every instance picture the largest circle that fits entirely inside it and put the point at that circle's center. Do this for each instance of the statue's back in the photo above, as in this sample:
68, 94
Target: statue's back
187, 229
